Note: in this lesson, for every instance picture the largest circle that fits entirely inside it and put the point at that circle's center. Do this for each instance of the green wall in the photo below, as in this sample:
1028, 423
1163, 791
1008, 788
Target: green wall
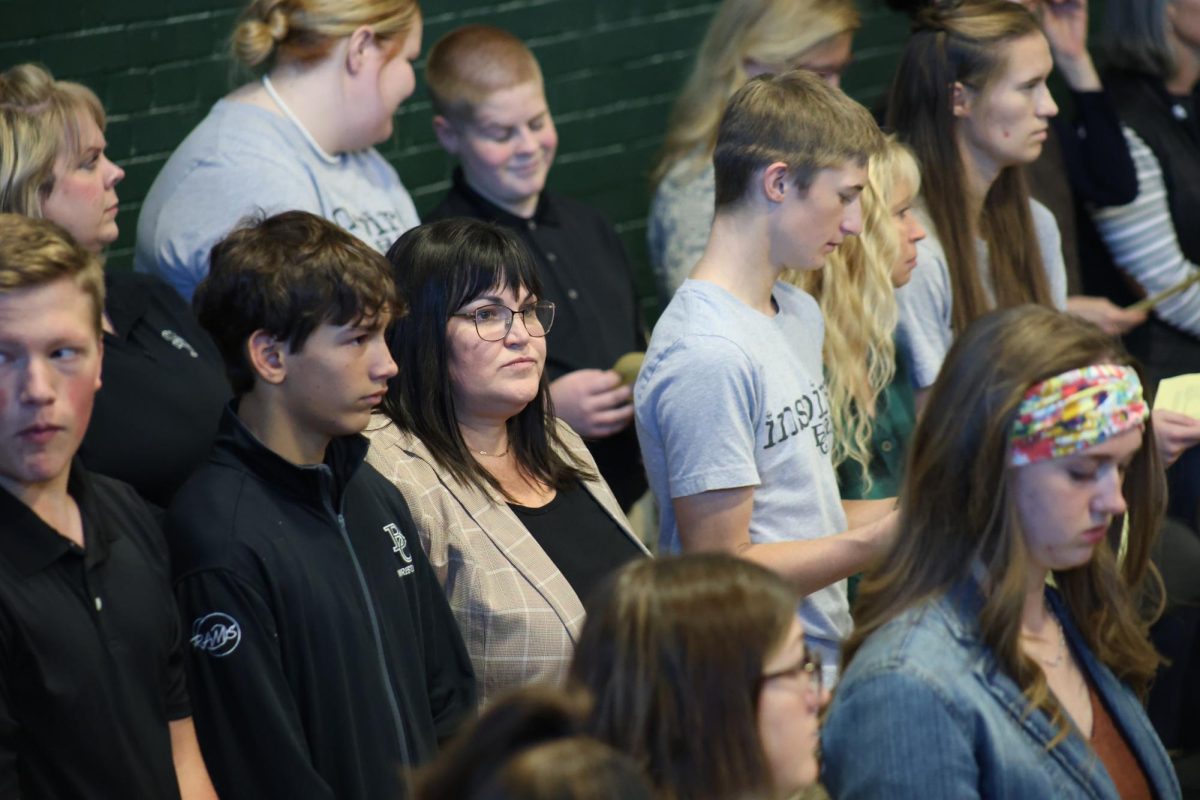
612, 69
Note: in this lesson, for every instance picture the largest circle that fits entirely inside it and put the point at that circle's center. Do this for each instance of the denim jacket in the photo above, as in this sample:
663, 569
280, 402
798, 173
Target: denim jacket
924, 711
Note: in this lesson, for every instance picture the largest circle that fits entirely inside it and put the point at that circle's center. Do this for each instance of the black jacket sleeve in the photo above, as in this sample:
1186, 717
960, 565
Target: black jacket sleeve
248, 725
1097, 159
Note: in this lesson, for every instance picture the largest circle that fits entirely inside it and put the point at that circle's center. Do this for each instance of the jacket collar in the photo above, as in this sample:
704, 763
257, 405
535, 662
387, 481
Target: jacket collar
1074, 756
309, 484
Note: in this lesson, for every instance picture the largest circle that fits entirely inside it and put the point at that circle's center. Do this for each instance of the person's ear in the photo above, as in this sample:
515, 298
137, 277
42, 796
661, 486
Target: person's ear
960, 99
774, 182
357, 45
267, 356
447, 134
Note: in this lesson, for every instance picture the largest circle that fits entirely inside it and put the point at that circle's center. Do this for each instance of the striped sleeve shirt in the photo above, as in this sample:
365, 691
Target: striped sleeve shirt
1141, 238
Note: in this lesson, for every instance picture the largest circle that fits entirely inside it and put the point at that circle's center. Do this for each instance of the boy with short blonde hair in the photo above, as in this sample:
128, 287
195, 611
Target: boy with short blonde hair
94, 701
491, 113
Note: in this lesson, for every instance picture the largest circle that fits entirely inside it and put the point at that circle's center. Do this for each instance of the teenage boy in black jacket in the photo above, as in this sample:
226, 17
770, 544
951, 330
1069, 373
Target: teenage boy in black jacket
324, 657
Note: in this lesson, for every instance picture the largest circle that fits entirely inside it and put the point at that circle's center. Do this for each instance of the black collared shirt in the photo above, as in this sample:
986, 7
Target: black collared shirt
585, 272
91, 669
163, 389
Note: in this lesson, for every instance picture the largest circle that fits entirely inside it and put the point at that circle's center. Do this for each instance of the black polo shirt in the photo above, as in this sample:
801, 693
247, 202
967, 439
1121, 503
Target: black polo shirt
90, 663
585, 272
163, 391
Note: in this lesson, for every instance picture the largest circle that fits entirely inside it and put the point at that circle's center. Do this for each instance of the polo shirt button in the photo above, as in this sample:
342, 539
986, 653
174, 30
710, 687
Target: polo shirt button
572, 294
886, 446
551, 257
99, 603
531, 225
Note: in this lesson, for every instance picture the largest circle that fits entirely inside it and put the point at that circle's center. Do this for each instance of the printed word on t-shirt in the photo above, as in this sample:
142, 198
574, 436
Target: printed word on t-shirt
809, 412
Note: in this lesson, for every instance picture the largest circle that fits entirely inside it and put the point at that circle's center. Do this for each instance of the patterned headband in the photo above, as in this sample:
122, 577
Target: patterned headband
1075, 410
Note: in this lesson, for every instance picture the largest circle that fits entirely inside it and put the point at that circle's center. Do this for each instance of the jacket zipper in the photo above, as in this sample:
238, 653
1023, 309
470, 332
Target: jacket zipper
393, 703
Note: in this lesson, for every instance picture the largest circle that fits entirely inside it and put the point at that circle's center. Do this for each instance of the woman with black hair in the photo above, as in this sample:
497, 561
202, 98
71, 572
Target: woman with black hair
509, 506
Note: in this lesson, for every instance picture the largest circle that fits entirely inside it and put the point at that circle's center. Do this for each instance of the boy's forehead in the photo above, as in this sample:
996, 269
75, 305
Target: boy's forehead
850, 174
59, 308
512, 104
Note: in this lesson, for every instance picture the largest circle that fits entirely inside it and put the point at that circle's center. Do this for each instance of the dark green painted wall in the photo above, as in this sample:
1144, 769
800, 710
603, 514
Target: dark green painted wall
612, 69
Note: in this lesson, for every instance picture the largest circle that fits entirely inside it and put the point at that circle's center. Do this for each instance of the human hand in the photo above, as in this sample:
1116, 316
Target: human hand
1174, 433
1065, 23
593, 401
1104, 314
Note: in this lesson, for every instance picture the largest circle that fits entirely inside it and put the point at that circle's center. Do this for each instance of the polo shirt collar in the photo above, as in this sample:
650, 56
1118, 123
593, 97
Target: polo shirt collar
125, 302
544, 214
31, 545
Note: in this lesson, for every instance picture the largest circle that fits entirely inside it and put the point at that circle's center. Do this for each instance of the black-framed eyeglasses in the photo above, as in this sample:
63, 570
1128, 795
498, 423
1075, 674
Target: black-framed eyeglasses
809, 665
493, 322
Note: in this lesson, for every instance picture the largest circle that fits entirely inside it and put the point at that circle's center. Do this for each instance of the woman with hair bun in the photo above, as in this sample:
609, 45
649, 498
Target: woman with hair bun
302, 137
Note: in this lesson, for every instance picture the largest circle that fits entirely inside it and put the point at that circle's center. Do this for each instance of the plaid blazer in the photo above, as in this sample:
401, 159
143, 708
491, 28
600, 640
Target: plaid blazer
518, 615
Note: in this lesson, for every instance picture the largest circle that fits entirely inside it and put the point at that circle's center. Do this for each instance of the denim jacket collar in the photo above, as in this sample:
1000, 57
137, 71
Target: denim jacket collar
959, 609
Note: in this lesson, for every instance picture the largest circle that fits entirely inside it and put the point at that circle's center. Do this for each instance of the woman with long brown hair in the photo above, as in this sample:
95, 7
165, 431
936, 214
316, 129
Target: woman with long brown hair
698, 669
968, 673
970, 98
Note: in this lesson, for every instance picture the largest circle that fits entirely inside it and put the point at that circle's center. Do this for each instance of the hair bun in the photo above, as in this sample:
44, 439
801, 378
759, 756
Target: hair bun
264, 25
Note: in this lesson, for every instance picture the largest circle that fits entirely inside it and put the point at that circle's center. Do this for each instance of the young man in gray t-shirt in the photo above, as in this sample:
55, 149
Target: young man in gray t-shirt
731, 407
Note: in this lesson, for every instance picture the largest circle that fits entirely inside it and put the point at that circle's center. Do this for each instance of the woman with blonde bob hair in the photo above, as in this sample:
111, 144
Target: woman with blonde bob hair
160, 367
870, 395
301, 137
698, 670
745, 38
968, 675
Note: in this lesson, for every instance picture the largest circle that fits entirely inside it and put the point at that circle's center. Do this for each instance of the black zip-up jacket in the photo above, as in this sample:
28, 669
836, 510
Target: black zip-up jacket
323, 656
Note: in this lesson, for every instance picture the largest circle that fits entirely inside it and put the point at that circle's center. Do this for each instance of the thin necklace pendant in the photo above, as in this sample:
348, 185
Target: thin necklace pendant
492, 455
1061, 655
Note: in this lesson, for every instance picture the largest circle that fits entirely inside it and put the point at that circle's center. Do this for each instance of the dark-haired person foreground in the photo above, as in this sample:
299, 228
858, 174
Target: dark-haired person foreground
698, 669
518, 524
969, 675
163, 385
323, 655
93, 701
530, 745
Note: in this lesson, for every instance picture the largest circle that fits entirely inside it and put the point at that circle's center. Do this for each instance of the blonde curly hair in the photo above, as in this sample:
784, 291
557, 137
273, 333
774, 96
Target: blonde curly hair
858, 301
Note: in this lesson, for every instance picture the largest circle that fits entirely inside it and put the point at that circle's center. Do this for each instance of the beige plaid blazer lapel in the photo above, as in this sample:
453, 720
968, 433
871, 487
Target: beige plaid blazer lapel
519, 616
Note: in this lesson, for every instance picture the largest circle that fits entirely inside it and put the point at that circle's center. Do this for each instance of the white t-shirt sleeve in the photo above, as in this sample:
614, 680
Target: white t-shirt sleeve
926, 305
702, 405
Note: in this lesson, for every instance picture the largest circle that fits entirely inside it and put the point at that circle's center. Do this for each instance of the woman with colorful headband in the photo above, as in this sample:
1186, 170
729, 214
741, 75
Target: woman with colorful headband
970, 673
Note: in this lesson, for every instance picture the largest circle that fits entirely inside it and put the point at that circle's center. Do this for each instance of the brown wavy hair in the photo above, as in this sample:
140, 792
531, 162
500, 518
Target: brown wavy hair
959, 520
676, 646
